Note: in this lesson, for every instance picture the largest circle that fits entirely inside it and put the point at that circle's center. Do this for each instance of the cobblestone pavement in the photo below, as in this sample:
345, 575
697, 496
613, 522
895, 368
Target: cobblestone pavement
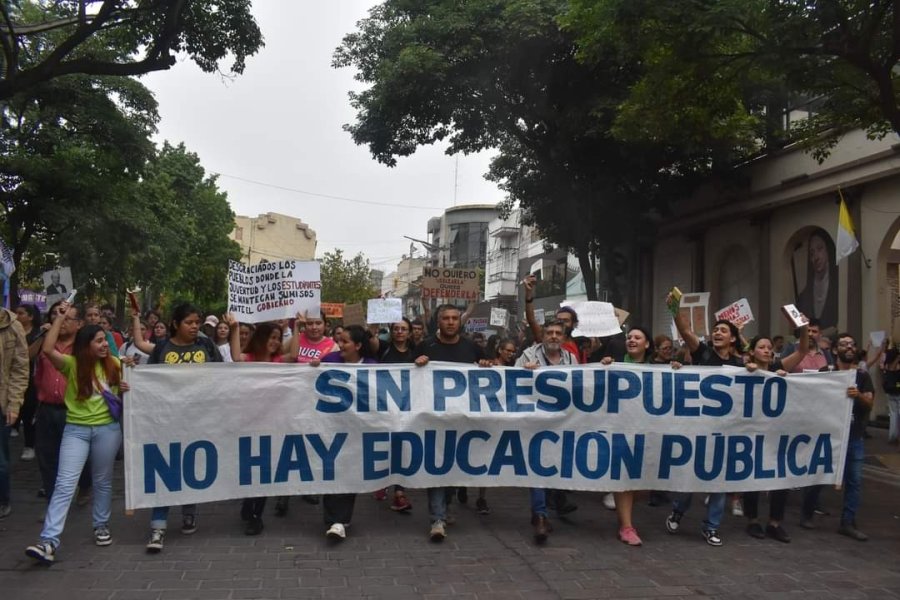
387, 555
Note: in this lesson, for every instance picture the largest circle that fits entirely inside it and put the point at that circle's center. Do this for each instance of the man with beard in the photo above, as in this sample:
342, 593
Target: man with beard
816, 359
448, 346
723, 351
863, 395
548, 353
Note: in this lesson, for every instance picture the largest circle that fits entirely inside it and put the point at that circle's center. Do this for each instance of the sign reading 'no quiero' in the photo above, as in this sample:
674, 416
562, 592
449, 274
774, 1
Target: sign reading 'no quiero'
450, 284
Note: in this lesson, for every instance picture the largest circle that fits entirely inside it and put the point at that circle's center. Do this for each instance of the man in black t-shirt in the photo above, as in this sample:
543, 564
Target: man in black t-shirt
724, 339
863, 396
448, 346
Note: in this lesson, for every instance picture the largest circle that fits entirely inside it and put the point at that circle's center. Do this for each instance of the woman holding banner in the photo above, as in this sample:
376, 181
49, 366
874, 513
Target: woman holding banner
354, 349
638, 350
762, 356
183, 346
263, 346
93, 384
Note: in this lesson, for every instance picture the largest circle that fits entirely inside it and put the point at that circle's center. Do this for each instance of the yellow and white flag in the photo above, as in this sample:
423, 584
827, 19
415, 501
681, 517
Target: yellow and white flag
846, 243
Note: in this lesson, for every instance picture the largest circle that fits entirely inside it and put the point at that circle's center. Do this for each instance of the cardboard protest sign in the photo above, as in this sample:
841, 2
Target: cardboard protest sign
737, 313
354, 314
273, 290
499, 317
57, 284
595, 319
450, 284
384, 310
333, 310
695, 306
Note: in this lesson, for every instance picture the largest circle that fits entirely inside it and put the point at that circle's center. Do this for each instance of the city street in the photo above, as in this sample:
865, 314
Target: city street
387, 555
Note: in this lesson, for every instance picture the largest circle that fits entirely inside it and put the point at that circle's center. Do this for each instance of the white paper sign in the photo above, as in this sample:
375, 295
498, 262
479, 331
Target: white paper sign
384, 310
877, 339
738, 313
499, 317
189, 437
595, 319
539, 316
273, 290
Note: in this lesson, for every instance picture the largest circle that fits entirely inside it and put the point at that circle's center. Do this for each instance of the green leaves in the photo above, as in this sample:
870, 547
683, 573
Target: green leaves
346, 280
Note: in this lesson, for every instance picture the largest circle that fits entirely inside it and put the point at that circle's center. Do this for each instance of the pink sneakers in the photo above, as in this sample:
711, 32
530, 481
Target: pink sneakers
629, 535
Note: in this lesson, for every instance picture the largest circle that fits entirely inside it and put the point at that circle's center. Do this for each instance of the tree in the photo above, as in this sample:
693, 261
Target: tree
503, 74
41, 41
724, 71
69, 155
346, 280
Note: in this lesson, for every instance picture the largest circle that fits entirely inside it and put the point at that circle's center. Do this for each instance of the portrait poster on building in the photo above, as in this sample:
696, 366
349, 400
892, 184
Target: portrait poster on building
384, 310
57, 284
815, 277
273, 290
450, 284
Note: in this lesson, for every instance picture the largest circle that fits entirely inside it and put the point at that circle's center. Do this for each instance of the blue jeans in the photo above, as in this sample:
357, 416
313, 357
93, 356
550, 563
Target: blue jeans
101, 443
539, 502
159, 518
4, 460
437, 504
714, 510
852, 480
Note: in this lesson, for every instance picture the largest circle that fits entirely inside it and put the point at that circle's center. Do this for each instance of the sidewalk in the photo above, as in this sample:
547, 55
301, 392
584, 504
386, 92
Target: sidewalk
387, 555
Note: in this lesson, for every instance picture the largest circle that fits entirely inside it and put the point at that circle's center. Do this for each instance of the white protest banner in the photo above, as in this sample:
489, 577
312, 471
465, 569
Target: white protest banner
189, 436
595, 319
450, 284
737, 313
273, 290
384, 310
876, 338
499, 317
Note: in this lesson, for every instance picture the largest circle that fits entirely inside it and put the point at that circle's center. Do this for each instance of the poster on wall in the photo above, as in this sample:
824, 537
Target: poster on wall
815, 278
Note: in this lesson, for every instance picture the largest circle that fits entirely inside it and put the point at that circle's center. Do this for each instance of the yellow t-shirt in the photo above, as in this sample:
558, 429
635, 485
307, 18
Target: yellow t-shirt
91, 411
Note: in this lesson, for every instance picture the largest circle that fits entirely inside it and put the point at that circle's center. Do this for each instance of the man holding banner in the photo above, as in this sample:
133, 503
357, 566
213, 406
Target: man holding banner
448, 346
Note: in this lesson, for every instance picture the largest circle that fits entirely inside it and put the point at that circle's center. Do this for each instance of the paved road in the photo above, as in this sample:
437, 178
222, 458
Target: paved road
484, 557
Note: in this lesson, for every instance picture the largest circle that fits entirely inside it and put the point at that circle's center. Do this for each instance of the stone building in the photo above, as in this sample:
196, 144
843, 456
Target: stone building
272, 237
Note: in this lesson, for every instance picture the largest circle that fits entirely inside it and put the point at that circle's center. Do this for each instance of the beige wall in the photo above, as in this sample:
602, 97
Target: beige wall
273, 237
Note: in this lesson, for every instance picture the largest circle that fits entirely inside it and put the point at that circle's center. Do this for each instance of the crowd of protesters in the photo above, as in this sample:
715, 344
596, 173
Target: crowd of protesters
61, 385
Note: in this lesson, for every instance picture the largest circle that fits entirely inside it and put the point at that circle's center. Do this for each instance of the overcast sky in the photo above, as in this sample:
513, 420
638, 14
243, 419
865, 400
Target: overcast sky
280, 123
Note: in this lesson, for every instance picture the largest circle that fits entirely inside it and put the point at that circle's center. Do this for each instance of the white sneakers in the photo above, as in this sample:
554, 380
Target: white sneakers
336, 532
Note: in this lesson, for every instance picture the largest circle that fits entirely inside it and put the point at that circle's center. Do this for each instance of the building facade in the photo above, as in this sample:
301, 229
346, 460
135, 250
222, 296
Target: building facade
273, 237
772, 242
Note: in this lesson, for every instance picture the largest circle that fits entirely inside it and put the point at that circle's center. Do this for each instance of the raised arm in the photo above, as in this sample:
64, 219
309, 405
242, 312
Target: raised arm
536, 330
35, 348
139, 342
684, 328
234, 338
52, 336
790, 362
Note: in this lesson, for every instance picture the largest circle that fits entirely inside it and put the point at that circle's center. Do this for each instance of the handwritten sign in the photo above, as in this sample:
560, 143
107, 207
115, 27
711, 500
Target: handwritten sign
476, 324
384, 310
595, 319
273, 290
499, 317
354, 314
738, 313
450, 284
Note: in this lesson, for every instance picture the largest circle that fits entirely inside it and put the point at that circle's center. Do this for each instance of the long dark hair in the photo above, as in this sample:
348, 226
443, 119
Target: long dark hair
257, 345
360, 335
85, 363
34, 313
